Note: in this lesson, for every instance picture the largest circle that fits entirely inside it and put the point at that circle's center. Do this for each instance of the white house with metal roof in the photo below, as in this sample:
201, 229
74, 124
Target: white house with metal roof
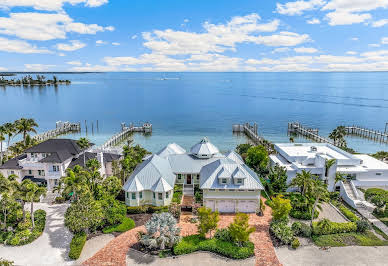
228, 184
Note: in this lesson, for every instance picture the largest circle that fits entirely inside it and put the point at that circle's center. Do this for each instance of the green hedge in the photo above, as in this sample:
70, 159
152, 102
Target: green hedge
301, 229
76, 245
194, 243
348, 213
177, 196
302, 215
146, 209
371, 192
326, 227
125, 225
349, 239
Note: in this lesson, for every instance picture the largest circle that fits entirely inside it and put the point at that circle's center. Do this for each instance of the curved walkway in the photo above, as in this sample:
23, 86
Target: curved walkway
51, 248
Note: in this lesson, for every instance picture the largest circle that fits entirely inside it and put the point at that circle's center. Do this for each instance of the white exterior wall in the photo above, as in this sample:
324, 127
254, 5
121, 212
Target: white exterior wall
148, 198
183, 180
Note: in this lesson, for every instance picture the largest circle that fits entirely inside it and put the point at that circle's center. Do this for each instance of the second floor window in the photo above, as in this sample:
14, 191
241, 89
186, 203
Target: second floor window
55, 168
133, 195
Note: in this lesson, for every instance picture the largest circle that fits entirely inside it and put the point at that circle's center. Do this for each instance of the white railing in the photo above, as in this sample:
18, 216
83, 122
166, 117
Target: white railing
354, 189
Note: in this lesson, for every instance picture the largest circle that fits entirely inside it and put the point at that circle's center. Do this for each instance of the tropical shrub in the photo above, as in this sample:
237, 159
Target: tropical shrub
223, 234
146, 209
348, 213
281, 207
302, 215
362, 225
4, 262
208, 221
240, 230
295, 243
60, 200
327, 227
228, 249
76, 245
162, 232
114, 210
301, 229
125, 225
281, 231
175, 210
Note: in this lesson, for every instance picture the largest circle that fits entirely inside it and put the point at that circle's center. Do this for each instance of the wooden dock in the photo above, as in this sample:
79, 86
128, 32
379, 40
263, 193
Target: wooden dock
61, 129
371, 134
311, 133
125, 132
251, 131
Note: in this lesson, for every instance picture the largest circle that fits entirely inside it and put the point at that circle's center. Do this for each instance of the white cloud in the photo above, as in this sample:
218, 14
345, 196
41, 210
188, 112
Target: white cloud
115, 43
3, 69
384, 40
354, 39
344, 18
134, 37
49, 5
37, 67
100, 42
186, 20
18, 46
298, 7
281, 50
374, 45
351, 52
74, 63
305, 50
61, 54
328, 59
283, 39
380, 23
72, 46
314, 21
44, 26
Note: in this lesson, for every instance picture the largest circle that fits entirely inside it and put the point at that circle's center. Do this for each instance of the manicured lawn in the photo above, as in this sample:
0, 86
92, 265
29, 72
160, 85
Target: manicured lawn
126, 224
194, 243
349, 239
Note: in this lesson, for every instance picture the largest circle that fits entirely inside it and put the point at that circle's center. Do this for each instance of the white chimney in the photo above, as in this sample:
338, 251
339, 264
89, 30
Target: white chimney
100, 158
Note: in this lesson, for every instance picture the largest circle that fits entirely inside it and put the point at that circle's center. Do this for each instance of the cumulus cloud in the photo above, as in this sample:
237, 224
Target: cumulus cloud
313, 21
281, 50
379, 23
100, 42
44, 26
384, 40
115, 43
72, 46
298, 7
3, 69
37, 67
18, 46
344, 18
305, 50
49, 5
351, 52
74, 63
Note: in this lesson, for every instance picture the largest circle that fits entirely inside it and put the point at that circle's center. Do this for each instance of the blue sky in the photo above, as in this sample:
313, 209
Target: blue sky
193, 35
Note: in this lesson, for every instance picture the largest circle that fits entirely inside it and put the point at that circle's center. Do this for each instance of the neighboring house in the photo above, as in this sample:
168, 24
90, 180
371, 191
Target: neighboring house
153, 180
359, 169
46, 162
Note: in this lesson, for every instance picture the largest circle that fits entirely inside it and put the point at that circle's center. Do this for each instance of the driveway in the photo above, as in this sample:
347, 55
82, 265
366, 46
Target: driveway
51, 248
344, 256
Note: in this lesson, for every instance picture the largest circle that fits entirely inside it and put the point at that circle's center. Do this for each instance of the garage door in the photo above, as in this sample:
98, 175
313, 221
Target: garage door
226, 205
246, 206
210, 204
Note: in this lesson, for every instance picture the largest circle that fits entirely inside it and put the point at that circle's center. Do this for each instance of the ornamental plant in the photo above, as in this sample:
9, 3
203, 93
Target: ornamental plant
240, 230
281, 207
208, 221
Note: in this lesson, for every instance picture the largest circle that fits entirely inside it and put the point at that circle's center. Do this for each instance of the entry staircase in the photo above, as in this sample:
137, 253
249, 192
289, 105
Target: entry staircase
188, 190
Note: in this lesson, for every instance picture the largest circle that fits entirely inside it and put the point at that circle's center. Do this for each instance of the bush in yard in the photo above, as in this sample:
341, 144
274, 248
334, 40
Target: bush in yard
362, 225
208, 221
295, 243
175, 210
162, 232
327, 227
301, 229
224, 235
76, 245
4, 262
60, 200
125, 225
281, 231
348, 213
114, 210
281, 207
302, 215
240, 230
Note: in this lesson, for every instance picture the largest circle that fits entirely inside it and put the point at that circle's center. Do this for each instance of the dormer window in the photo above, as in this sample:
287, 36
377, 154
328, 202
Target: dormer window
223, 181
239, 181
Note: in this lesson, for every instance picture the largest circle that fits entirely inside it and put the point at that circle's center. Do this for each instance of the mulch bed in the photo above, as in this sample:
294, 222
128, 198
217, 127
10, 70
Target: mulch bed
140, 219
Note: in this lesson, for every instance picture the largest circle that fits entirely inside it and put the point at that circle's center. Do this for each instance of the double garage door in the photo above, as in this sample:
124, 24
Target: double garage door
232, 206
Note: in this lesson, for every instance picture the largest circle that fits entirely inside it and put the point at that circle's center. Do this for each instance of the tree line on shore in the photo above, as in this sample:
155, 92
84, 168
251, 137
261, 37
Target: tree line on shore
28, 80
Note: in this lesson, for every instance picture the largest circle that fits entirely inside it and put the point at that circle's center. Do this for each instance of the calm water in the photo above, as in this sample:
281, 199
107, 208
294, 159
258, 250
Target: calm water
187, 106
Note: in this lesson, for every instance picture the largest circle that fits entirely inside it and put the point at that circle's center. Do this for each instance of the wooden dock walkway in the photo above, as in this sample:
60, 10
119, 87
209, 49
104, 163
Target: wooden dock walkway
125, 132
60, 129
371, 134
251, 131
311, 133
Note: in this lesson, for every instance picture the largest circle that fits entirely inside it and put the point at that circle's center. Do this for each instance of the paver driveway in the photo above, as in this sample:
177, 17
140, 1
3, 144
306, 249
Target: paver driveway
51, 248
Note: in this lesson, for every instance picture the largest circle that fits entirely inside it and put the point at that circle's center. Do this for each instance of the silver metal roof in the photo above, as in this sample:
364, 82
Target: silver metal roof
171, 149
209, 175
235, 157
204, 147
189, 164
149, 173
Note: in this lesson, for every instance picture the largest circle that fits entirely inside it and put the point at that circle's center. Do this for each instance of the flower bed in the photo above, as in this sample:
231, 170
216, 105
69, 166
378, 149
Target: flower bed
194, 243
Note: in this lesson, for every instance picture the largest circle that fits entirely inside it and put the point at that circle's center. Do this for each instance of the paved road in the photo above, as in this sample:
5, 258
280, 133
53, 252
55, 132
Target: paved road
51, 248
344, 256
194, 259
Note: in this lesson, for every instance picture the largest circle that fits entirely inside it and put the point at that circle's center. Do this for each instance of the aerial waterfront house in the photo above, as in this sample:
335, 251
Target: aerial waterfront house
46, 162
360, 170
228, 184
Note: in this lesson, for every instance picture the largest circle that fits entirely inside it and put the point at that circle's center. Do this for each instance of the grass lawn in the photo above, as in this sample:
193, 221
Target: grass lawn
125, 225
349, 239
190, 244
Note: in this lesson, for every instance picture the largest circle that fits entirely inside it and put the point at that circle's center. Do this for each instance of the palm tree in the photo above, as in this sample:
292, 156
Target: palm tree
33, 193
328, 165
83, 143
73, 181
319, 191
2, 138
10, 130
24, 126
292, 139
339, 177
303, 180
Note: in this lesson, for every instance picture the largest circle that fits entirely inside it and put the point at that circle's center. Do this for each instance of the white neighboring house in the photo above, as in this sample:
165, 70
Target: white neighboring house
360, 170
46, 162
153, 180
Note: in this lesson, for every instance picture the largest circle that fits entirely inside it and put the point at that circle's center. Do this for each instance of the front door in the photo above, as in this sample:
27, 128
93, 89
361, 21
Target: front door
188, 182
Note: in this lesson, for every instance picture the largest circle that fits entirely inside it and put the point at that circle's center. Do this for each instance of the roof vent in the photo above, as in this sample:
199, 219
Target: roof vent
313, 148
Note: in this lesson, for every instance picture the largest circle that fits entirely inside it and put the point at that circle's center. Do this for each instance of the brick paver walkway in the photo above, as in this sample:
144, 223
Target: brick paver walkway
115, 252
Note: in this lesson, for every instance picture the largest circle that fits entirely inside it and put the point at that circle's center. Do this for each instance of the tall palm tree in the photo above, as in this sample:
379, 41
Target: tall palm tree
319, 191
33, 193
328, 165
2, 138
83, 143
10, 130
339, 177
303, 180
24, 126
73, 182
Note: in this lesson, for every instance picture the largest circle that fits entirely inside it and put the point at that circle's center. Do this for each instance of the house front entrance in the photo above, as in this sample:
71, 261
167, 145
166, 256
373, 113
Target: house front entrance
188, 180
